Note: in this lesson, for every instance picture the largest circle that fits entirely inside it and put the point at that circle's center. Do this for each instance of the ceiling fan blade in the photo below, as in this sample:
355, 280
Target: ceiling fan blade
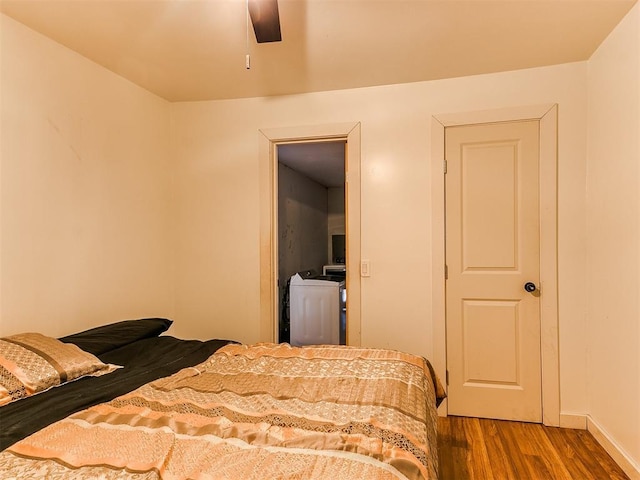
265, 19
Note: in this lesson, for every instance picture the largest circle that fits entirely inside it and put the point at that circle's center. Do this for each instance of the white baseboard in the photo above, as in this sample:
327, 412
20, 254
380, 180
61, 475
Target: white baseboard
572, 420
630, 467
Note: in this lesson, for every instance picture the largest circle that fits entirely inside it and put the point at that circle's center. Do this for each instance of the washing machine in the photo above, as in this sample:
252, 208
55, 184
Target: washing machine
317, 307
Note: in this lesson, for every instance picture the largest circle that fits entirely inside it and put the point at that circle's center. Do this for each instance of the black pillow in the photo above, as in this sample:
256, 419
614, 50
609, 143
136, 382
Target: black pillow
105, 338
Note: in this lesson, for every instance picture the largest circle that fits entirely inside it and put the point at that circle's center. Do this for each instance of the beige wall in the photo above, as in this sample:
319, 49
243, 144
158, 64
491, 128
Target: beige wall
302, 228
216, 145
85, 192
613, 237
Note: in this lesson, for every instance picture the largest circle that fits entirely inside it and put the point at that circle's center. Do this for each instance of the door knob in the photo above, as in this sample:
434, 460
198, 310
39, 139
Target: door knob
530, 287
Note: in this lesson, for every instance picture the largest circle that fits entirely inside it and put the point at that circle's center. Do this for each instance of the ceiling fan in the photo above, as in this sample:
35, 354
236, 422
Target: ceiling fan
265, 20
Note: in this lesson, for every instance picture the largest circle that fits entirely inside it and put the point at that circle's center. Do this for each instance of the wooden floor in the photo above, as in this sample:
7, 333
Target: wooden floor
480, 449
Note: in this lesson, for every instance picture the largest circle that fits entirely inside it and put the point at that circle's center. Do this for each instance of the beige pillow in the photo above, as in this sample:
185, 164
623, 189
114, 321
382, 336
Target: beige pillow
31, 363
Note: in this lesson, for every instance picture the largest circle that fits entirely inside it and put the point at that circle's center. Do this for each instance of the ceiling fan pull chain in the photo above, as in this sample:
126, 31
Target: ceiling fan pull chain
247, 58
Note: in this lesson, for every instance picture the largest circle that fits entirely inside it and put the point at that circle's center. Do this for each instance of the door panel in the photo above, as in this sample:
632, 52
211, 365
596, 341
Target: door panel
492, 250
487, 186
490, 322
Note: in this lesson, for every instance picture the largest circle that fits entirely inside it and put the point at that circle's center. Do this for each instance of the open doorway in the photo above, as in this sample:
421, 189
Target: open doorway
311, 239
269, 141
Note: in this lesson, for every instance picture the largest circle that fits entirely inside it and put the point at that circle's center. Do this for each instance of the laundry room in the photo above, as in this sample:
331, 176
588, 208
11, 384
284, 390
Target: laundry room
311, 242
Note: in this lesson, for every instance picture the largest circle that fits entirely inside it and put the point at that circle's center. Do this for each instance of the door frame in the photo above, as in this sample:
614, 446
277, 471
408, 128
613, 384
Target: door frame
547, 115
269, 138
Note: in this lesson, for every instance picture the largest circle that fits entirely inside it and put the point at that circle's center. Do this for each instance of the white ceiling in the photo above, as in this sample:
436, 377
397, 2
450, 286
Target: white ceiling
185, 50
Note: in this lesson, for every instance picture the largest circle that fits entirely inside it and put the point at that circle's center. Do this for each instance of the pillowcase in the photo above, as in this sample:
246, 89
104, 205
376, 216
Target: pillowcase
105, 338
31, 363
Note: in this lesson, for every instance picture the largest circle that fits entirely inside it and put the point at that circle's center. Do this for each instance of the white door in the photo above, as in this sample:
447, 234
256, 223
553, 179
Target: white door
493, 257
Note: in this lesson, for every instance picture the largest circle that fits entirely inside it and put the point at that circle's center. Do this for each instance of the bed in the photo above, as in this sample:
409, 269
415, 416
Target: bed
265, 411
134, 345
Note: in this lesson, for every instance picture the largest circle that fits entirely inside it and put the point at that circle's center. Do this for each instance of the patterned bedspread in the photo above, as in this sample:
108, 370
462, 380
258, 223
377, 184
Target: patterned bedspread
253, 412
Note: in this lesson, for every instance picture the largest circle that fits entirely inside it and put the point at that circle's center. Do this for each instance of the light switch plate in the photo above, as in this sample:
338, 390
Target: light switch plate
365, 268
